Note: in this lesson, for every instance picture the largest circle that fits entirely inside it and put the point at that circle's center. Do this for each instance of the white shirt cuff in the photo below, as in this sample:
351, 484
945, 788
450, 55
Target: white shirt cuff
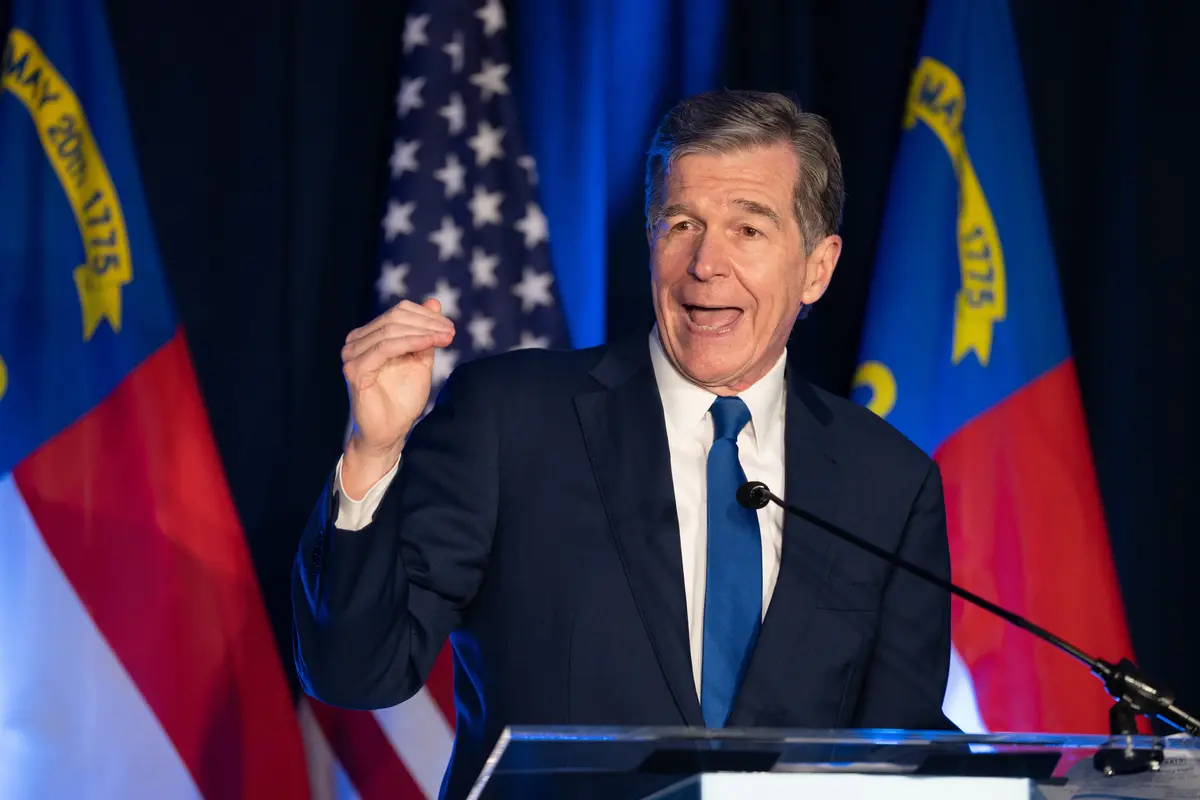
354, 515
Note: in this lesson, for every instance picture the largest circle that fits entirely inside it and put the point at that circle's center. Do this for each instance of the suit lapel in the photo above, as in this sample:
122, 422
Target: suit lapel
809, 478
627, 442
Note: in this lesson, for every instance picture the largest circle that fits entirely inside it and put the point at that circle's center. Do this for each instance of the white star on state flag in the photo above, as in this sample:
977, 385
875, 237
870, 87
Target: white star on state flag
492, 15
404, 157
448, 238
455, 50
414, 32
486, 143
443, 364
483, 269
455, 113
530, 166
490, 79
448, 296
398, 219
452, 175
534, 225
485, 207
409, 96
529, 341
534, 289
480, 328
391, 281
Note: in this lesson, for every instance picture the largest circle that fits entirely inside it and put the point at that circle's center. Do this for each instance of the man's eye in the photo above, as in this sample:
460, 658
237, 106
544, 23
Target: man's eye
751, 232
682, 225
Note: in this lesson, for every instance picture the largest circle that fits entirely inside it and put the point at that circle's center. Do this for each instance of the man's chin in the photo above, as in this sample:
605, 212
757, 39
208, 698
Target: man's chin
710, 372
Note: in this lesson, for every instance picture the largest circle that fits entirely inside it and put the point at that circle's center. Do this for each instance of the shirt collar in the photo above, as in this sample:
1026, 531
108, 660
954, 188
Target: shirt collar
685, 404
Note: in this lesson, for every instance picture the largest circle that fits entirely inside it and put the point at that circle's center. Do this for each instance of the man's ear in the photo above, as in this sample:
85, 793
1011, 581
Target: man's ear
819, 268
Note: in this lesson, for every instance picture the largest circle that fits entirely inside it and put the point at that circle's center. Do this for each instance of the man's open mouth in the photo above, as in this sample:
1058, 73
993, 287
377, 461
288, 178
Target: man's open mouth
712, 318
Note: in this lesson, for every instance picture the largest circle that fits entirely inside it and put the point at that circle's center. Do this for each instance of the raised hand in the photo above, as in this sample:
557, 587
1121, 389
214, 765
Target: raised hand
388, 365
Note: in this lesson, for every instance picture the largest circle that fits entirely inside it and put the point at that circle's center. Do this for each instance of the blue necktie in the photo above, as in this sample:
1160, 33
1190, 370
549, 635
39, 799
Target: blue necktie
733, 590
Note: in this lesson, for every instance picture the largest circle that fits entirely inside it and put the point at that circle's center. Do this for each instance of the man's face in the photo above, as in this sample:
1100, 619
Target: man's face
727, 265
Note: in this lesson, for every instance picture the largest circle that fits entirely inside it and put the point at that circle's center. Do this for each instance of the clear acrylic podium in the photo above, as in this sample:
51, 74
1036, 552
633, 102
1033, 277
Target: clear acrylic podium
759, 764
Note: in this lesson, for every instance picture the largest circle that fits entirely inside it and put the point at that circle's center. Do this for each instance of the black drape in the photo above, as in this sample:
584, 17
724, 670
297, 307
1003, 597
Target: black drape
262, 130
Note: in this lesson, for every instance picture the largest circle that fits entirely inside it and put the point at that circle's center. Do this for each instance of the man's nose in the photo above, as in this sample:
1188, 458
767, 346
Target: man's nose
710, 259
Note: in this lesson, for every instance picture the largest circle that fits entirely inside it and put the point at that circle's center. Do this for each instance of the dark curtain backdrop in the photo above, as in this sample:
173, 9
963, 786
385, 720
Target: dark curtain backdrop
262, 133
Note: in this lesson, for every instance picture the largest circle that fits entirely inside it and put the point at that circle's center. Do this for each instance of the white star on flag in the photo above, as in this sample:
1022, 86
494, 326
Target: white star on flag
454, 49
480, 328
444, 361
448, 296
486, 143
492, 15
529, 341
485, 207
398, 219
404, 157
414, 32
534, 225
391, 282
483, 269
490, 79
452, 176
534, 289
530, 166
448, 238
455, 114
409, 96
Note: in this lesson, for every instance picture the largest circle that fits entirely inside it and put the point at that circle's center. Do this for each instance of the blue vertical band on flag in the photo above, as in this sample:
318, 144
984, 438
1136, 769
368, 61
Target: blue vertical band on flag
72, 198
965, 230
462, 222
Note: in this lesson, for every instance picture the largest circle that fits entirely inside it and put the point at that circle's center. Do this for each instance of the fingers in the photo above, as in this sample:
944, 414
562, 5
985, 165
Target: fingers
426, 316
373, 358
441, 337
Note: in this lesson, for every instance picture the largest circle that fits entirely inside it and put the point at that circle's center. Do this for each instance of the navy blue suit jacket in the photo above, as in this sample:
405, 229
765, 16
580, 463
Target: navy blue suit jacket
533, 522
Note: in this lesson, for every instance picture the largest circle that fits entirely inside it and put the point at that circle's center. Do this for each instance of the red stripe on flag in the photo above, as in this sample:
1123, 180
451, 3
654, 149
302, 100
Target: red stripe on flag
1027, 531
440, 683
132, 502
366, 754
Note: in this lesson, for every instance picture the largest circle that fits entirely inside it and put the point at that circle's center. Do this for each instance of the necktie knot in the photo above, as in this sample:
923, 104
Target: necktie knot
730, 415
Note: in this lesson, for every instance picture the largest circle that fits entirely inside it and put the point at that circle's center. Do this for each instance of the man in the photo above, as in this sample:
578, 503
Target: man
569, 519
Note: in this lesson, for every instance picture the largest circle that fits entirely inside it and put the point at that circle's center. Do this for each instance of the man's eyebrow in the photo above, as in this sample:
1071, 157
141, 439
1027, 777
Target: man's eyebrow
672, 210
759, 209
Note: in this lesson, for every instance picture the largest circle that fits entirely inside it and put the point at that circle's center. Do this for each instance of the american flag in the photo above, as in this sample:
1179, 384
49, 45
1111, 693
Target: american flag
461, 223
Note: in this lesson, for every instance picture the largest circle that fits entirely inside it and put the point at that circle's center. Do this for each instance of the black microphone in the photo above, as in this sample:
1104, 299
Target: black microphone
1133, 693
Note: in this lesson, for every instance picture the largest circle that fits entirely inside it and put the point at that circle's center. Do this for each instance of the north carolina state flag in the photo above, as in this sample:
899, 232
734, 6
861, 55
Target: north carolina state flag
135, 655
965, 350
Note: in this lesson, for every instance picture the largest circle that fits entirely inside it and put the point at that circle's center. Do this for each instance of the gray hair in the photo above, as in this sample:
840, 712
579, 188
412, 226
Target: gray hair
725, 121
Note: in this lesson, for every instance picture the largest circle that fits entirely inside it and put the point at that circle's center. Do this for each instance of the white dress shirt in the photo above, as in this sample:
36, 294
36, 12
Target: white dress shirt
760, 450
689, 436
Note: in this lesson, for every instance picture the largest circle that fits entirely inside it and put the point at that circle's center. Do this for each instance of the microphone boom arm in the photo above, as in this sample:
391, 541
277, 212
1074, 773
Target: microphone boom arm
1123, 681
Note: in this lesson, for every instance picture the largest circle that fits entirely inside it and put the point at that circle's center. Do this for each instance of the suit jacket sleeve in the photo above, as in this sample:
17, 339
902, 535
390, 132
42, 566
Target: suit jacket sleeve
373, 607
905, 682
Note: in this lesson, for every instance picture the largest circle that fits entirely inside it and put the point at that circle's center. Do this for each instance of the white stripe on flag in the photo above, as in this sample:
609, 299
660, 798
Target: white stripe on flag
421, 737
72, 723
326, 777
960, 704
